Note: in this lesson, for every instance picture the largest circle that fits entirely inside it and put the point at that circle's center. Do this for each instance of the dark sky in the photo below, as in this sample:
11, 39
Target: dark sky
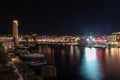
61, 17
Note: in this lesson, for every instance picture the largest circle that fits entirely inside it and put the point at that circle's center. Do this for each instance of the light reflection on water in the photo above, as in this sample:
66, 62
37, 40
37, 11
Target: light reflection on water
90, 66
84, 63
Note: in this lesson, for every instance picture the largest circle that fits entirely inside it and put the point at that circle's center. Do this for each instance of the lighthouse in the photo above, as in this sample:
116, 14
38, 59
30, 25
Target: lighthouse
15, 32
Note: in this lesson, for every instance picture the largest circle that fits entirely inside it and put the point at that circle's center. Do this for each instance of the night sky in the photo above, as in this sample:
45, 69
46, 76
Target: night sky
61, 17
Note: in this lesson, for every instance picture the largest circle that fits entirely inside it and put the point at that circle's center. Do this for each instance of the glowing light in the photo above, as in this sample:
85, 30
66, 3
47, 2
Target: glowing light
15, 59
91, 37
87, 39
15, 22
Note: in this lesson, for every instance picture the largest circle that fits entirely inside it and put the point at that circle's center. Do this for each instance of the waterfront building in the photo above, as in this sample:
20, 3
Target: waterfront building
100, 40
114, 39
117, 36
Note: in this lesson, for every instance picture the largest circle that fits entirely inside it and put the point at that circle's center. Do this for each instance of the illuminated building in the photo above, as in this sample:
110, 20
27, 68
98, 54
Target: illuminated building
101, 39
117, 36
114, 39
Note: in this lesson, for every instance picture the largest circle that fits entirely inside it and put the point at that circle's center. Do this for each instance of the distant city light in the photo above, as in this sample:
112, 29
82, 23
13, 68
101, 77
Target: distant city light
91, 37
87, 39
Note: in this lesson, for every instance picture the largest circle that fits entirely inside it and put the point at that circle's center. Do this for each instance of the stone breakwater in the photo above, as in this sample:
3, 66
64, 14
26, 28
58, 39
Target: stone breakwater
26, 72
15, 70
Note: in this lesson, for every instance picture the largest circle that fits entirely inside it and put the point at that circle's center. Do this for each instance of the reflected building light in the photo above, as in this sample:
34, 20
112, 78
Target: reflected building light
71, 53
77, 50
40, 49
71, 50
107, 51
71, 57
62, 51
119, 50
77, 53
63, 56
116, 50
49, 50
112, 51
90, 53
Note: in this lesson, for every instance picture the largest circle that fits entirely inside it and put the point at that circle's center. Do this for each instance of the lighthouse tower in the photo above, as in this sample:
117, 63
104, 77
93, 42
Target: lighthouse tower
15, 32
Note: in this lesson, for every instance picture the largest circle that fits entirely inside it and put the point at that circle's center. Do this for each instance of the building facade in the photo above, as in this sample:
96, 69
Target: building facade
114, 39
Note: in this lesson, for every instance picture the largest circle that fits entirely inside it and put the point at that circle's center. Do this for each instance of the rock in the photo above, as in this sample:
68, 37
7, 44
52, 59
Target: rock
48, 72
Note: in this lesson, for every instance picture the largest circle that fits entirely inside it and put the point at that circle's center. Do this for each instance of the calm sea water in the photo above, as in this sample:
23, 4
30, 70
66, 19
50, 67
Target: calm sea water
75, 63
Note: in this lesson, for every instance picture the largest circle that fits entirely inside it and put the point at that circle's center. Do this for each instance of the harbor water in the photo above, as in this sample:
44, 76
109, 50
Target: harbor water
78, 63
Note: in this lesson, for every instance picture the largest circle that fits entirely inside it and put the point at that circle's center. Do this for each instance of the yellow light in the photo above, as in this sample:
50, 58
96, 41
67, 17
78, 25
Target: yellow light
15, 59
15, 21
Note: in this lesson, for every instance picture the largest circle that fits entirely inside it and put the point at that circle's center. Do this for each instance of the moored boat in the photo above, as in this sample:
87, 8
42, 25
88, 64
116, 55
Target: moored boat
32, 56
36, 63
33, 59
